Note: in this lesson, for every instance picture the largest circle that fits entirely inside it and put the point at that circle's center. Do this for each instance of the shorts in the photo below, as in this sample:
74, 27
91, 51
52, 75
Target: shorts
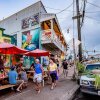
37, 78
19, 81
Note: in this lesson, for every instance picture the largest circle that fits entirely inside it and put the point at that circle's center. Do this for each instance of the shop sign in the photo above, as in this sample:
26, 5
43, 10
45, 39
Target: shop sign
30, 21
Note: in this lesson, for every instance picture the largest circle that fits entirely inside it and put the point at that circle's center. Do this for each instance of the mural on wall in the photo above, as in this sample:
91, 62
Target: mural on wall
30, 39
14, 39
5, 39
30, 21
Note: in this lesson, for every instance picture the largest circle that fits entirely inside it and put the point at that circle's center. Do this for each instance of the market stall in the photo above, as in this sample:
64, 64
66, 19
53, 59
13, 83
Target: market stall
7, 49
38, 53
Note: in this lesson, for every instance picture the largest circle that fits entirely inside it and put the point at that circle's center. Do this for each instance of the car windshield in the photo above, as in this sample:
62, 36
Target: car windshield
92, 67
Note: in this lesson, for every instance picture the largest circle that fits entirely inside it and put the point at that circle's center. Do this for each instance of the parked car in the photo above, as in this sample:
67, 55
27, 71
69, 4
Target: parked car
87, 81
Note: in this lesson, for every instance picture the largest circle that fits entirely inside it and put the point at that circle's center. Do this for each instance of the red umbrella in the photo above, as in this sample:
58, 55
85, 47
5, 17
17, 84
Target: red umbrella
6, 48
37, 53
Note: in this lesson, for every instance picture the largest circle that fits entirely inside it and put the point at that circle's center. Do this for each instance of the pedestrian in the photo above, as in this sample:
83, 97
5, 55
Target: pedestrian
38, 75
1, 63
65, 68
13, 79
53, 72
24, 77
32, 66
57, 62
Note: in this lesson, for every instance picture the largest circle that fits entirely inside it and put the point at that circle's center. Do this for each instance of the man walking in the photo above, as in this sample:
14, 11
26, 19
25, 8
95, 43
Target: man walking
65, 68
38, 75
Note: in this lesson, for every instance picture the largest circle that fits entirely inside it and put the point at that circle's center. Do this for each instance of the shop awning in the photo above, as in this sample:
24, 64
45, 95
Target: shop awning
37, 53
6, 48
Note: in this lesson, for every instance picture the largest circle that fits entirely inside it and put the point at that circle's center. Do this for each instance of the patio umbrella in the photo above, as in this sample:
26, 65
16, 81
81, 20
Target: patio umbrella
6, 48
37, 53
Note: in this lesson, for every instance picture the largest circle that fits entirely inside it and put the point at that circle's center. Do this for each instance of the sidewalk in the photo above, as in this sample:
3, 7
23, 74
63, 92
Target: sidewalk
70, 72
64, 91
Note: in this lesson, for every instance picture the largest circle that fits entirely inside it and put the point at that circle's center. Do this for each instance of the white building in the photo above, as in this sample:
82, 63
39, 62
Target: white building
35, 28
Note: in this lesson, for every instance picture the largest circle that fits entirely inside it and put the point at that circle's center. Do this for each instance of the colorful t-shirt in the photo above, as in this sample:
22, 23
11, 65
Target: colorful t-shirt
38, 69
12, 75
52, 67
24, 76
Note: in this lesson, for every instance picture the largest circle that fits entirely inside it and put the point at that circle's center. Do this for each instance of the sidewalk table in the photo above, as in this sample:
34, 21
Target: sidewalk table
30, 74
30, 71
4, 80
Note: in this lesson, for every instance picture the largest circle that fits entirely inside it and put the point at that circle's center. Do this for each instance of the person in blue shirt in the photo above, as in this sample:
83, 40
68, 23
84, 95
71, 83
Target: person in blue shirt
38, 75
13, 76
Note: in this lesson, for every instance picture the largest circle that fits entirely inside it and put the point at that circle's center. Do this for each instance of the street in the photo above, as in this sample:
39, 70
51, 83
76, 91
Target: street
81, 96
64, 90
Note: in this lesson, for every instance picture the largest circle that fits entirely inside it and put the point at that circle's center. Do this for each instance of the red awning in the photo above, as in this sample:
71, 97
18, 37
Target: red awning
37, 53
6, 48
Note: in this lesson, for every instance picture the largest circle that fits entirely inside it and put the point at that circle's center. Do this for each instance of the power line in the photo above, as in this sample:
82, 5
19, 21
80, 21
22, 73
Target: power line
65, 8
83, 15
82, 4
92, 11
52, 8
93, 4
92, 18
58, 9
71, 10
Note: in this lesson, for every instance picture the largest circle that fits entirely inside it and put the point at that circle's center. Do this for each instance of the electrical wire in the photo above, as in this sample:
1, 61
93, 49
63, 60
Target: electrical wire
65, 8
92, 11
83, 15
92, 18
71, 10
52, 8
93, 4
82, 4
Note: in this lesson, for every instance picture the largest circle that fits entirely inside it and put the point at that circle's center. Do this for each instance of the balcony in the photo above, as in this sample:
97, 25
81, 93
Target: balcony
49, 37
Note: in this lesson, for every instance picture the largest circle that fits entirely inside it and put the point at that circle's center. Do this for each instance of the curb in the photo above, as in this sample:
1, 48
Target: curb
69, 95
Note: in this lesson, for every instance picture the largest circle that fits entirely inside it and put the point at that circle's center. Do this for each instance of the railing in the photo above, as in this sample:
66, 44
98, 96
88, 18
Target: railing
57, 40
46, 35
50, 36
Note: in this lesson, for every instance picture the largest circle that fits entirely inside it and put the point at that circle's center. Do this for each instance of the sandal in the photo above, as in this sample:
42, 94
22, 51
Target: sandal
55, 85
38, 91
52, 88
18, 91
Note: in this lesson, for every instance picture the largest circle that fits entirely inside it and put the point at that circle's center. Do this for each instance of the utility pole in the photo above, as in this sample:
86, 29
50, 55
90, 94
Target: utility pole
79, 29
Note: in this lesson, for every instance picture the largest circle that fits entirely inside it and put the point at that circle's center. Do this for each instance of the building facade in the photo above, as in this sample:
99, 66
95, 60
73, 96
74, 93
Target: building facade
35, 28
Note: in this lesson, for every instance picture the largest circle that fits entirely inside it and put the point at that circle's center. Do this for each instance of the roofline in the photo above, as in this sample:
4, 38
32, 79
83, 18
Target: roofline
43, 5
51, 17
23, 9
60, 28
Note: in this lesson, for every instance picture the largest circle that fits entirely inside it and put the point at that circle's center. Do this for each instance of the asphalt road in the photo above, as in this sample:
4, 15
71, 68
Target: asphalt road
81, 96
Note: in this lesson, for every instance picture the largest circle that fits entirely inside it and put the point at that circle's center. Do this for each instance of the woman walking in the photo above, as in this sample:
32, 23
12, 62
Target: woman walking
53, 72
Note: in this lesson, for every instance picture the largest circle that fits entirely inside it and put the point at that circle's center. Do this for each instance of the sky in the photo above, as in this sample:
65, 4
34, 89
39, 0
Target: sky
91, 27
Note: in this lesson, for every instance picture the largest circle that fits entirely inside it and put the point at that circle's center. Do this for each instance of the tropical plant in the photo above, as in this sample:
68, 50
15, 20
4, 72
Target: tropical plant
97, 81
80, 67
